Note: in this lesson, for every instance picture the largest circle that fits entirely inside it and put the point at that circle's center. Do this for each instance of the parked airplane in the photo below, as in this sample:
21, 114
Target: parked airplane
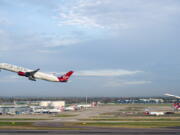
35, 74
154, 113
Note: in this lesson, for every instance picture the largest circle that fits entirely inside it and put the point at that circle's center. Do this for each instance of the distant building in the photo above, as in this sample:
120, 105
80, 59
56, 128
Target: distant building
44, 103
55, 104
14, 109
141, 100
152, 100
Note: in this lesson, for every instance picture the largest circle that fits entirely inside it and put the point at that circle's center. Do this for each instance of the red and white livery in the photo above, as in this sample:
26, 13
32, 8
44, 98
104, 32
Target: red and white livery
170, 95
35, 74
175, 105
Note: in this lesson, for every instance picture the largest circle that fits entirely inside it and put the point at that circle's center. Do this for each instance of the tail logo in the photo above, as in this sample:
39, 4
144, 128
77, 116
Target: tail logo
65, 77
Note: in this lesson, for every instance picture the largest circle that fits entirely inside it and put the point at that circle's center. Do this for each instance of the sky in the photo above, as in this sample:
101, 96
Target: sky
116, 47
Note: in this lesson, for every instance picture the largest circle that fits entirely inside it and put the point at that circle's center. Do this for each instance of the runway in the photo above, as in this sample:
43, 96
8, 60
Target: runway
100, 131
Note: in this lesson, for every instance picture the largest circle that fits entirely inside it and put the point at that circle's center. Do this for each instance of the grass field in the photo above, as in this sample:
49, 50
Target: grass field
22, 119
30, 125
78, 125
66, 115
132, 124
133, 119
5, 123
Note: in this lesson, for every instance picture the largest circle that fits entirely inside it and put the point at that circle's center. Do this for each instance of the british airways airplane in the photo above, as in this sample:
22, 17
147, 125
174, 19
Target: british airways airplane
35, 74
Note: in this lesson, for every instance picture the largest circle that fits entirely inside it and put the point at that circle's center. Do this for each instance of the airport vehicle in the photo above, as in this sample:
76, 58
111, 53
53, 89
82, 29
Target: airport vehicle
35, 74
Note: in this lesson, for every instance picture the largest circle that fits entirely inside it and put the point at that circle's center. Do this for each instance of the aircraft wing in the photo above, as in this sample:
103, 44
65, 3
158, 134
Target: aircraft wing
170, 95
30, 74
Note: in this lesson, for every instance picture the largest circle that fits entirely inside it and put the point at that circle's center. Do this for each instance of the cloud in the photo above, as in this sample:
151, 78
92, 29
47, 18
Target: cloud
37, 41
115, 82
4, 21
104, 73
79, 13
9, 78
5, 41
62, 42
119, 83
115, 14
45, 40
46, 51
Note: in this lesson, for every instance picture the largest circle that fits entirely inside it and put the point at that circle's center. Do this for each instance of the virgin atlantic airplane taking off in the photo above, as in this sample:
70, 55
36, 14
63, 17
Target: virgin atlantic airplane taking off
35, 74
170, 95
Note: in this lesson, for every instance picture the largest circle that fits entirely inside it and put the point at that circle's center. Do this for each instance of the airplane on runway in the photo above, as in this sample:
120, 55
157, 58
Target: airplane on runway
35, 74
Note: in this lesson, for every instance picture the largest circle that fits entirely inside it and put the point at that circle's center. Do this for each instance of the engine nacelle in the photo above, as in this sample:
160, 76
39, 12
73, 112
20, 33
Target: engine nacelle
21, 73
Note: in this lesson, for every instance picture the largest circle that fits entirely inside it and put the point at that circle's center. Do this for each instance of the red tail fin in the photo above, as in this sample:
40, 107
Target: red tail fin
65, 77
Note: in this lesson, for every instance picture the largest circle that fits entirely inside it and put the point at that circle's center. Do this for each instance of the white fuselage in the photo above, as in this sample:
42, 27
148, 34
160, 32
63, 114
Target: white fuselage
170, 95
38, 75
